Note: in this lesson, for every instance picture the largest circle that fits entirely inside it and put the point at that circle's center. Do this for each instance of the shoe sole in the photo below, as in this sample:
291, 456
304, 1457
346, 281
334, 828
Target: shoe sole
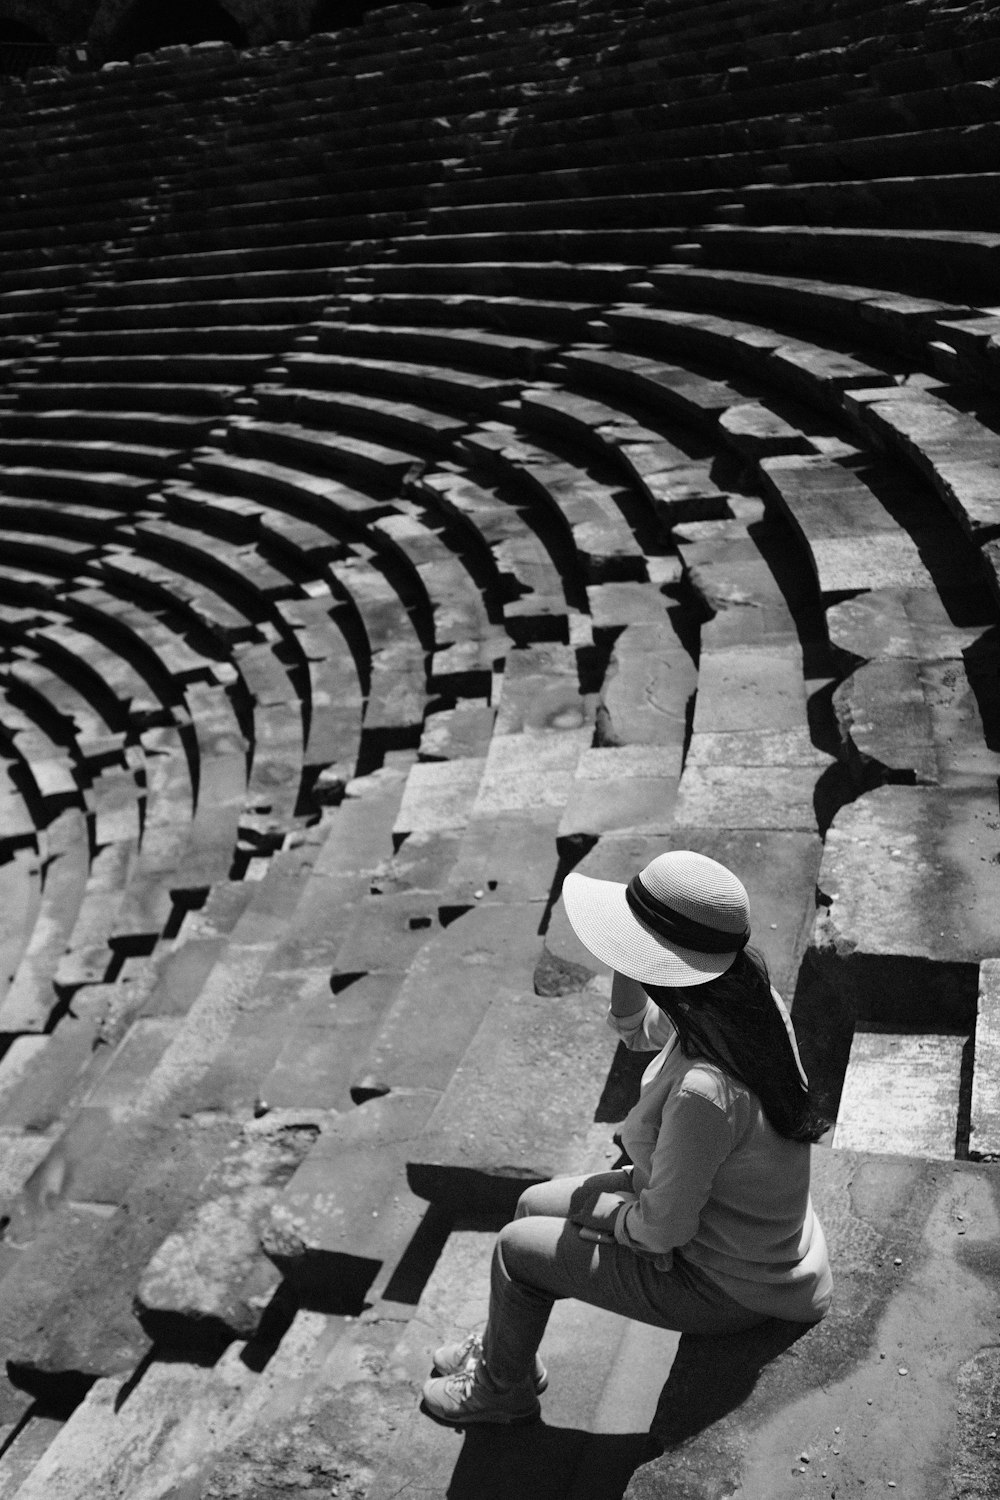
496, 1419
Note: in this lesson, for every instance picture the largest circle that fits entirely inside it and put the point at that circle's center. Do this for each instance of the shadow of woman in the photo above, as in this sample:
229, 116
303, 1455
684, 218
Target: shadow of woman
546, 1463
711, 1377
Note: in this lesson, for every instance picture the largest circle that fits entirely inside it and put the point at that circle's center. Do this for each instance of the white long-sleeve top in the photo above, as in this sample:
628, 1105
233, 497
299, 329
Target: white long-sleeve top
714, 1181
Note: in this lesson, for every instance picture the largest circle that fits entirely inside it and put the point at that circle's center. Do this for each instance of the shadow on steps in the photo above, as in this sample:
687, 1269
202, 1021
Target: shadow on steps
534, 1463
711, 1377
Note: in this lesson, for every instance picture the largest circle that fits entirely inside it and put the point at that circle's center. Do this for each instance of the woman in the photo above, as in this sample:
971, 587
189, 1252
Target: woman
711, 1229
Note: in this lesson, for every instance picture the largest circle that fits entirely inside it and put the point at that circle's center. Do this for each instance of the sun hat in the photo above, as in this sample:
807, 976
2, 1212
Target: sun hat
681, 921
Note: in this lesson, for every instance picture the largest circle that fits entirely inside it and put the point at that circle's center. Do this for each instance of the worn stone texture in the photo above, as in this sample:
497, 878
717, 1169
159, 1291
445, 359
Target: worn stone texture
908, 902
902, 1094
984, 1134
208, 1281
884, 1388
740, 796
647, 690
494, 1131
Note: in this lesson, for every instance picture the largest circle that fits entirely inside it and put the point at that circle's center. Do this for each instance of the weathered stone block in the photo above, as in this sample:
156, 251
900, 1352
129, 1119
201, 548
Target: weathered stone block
908, 892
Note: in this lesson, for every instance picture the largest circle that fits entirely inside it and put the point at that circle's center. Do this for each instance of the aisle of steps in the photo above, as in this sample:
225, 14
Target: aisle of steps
456, 450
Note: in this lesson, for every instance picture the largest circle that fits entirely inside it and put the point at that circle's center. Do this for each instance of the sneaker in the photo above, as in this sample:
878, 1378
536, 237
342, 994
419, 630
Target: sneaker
465, 1397
449, 1359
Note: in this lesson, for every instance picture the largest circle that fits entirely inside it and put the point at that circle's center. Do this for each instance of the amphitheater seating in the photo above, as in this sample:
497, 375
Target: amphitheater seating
470, 445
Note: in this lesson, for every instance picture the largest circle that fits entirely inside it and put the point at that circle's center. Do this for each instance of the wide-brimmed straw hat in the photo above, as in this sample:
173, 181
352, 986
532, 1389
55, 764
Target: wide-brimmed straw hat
681, 921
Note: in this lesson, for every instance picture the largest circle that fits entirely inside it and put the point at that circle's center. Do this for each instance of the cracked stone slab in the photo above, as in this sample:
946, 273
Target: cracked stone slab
209, 1282
922, 717
647, 688
908, 890
899, 622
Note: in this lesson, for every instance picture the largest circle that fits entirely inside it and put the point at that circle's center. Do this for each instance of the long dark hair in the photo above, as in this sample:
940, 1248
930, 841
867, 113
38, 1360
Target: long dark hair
746, 1037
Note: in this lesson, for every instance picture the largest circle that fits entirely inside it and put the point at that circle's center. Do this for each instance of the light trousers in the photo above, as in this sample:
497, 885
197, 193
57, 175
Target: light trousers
540, 1257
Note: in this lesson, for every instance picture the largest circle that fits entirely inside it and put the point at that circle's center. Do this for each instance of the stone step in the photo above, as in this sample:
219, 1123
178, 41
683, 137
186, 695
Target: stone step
553, 280
277, 738
467, 642
949, 447
852, 537
394, 670
61, 704
327, 502
156, 318
100, 487
174, 342
902, 1095
105, 456
161, 431
164, 1060
932, 720
635, 246
484, 1170
808, 372
292, 541
334, 703
671, 391
157, 648
805, 1392
984, 1135
491, 353
102, 672
586, 507
327, 452
952, 264
109, 398
285, 286
892, 319
234, 569
903, 920
527, 576
556, 321
135, 370
578, 210
959, 199
314, 256
676, 485
648, 688
167, 588
403, 424
82, 530
458, 391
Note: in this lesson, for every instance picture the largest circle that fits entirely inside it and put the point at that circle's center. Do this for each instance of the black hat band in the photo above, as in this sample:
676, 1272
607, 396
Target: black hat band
684, 931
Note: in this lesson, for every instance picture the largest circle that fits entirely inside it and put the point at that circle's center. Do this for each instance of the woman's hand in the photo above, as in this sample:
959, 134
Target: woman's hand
600, 1212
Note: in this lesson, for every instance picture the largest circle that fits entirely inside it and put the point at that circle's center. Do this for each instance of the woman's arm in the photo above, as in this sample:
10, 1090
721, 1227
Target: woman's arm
694, 1140
639, 1022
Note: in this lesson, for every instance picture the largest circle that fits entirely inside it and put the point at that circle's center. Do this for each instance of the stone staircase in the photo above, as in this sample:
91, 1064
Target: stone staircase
435, 456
